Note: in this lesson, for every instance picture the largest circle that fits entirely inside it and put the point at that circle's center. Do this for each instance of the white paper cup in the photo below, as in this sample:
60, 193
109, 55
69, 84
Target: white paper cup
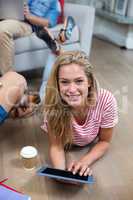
29, 157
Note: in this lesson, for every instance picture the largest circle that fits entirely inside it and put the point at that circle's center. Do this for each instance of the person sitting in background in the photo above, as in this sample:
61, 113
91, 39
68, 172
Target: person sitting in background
13, 100
77, 111
37, 13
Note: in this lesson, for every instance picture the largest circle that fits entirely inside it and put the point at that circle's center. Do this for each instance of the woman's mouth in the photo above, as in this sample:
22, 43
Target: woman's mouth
73, 97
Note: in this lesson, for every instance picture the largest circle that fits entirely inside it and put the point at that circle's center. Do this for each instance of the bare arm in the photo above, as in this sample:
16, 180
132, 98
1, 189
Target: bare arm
96, 152
56, 153
35, 20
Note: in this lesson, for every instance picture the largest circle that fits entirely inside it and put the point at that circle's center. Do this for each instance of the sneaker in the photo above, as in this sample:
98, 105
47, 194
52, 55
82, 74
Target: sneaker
47, 37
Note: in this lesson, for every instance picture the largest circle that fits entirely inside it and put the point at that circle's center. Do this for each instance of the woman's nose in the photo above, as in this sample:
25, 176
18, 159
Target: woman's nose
72, 88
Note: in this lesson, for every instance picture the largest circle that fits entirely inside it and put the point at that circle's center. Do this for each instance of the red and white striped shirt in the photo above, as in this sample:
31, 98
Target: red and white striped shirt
103, 115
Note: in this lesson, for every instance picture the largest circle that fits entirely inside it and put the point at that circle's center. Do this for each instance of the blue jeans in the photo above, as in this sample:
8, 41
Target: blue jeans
3, 114
46, 73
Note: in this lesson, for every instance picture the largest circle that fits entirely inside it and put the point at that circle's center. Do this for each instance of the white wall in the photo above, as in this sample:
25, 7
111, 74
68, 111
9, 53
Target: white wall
95, 3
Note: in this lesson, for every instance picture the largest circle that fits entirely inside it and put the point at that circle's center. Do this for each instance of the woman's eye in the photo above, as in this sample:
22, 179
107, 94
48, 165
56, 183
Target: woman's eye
64, 82
79, 81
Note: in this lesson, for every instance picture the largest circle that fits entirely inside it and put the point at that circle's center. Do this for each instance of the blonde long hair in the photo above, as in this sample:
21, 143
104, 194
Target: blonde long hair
57, 112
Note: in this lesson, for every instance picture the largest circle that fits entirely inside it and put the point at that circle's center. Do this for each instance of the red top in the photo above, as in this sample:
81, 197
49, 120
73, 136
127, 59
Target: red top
61, 17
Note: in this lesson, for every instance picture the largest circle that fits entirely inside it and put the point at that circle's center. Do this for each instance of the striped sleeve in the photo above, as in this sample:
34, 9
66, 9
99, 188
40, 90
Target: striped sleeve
110, 112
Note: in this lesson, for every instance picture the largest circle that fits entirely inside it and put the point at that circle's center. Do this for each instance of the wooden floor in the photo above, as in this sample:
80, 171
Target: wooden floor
113, 174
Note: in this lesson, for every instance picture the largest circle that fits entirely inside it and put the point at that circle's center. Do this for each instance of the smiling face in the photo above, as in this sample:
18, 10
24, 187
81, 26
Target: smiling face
73, 85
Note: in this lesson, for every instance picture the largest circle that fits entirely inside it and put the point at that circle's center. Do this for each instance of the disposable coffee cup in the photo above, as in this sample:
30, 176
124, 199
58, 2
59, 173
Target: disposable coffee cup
29, 157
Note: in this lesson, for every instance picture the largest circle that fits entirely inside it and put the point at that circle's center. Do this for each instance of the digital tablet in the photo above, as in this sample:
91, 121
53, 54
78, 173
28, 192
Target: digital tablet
64, 175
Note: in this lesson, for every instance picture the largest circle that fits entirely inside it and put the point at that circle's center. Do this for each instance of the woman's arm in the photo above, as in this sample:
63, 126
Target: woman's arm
83, 165
56, 152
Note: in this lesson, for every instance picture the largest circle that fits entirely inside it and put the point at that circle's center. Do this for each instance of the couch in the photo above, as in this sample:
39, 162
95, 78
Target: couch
31, 52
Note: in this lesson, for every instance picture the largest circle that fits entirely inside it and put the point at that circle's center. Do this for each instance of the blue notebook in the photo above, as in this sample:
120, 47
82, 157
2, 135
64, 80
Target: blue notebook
7, 194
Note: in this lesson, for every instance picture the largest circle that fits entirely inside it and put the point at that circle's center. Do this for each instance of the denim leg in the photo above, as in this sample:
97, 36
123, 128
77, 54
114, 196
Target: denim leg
46, 72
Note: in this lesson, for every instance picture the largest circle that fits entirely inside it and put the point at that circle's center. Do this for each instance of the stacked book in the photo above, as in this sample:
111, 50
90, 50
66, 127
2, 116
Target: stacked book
9, 193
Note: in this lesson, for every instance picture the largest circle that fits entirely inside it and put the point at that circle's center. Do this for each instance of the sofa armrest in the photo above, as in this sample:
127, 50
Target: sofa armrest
84, 16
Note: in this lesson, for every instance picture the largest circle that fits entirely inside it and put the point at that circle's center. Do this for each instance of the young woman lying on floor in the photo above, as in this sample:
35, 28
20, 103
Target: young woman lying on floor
77, 111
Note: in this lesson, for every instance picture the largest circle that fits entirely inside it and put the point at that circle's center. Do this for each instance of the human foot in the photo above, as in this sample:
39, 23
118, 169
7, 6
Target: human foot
46, 36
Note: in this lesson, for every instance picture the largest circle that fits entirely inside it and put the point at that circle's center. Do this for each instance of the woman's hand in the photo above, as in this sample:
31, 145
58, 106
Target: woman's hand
80, 167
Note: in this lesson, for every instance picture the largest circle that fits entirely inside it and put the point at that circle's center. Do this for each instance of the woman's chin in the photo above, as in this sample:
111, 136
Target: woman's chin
74, 104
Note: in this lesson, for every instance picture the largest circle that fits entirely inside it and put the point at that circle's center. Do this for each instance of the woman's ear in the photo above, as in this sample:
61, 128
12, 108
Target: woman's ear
89, 88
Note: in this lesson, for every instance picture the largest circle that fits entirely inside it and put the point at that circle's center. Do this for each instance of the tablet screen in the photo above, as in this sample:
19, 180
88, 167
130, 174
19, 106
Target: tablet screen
63, 173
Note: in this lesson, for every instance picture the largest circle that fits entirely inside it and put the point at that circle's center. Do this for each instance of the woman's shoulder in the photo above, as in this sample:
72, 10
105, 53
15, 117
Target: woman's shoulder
105, 93
105, 96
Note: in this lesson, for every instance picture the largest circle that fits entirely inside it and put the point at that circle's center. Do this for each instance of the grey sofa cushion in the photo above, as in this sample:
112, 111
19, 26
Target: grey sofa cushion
33, 43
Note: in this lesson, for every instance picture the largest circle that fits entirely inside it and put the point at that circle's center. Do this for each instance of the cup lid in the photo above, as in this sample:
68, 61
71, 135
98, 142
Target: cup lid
28, 152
